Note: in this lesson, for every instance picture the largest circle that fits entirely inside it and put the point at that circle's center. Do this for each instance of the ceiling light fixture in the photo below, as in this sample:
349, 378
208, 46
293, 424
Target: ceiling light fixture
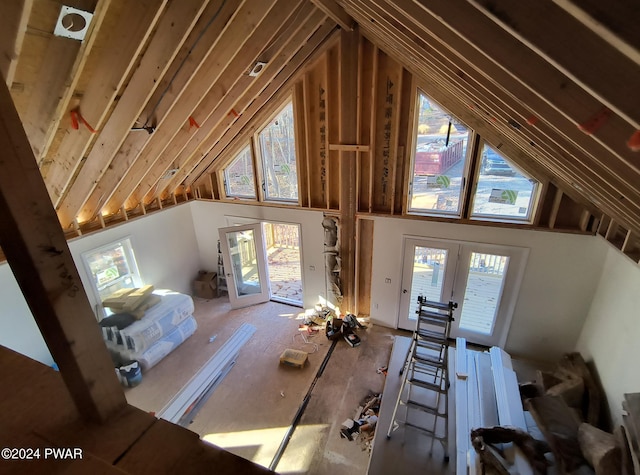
257, 69
72, 23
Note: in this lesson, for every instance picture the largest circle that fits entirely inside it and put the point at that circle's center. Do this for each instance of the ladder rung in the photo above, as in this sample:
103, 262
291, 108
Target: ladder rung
431, 432
428, 409
432, 343
434, 315
438, 305
432, 335
431, 360
433, 374
425, 384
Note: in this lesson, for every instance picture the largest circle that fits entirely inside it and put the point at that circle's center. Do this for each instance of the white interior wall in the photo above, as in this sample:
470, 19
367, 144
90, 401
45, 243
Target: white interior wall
18, 329
166, 251
611, 332
209, 216
559, 281
561, 276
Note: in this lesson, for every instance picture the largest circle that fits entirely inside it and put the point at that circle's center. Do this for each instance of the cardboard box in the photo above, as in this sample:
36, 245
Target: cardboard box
205, 286
295, 358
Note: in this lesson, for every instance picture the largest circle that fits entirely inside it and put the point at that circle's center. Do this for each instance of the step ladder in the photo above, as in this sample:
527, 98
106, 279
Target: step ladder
425, 376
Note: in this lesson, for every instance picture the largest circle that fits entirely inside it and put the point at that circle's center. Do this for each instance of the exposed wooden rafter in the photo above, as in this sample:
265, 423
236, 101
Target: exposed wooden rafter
118, 55
60, 72
540, 23
230, 43
336, 13
172, 30
16, 15
166, 86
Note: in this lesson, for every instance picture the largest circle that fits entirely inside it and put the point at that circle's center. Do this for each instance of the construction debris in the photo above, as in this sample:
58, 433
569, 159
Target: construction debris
363, 425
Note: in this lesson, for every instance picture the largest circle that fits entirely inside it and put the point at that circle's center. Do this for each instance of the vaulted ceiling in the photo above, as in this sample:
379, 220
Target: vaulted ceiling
158, 89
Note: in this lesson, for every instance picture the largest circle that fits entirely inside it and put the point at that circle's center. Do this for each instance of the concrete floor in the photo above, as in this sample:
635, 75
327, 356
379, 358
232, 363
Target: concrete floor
250, 412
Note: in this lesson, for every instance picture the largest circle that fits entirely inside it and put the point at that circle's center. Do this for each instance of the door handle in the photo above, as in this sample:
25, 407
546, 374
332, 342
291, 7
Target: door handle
404, 291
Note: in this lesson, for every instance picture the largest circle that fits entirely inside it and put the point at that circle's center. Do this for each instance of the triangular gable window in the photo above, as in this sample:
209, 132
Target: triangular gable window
239, 179
278, 153
503, 191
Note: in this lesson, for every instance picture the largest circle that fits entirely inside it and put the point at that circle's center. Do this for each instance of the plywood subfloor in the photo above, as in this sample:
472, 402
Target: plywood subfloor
250, 412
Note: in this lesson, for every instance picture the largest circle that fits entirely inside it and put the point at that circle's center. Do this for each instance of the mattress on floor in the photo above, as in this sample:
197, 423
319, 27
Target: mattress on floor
158, 321
161, 348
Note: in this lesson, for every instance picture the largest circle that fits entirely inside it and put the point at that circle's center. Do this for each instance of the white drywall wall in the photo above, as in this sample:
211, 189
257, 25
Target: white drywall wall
209, 216
559, 281
166, 252
164, 243
18, 329
611, 334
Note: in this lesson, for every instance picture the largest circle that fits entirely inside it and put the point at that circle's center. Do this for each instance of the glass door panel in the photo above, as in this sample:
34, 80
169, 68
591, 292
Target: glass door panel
483, 292
428, 271
284, 262
245, 267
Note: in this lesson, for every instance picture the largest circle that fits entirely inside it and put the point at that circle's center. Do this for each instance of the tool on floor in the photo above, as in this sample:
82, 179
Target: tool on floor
425, 382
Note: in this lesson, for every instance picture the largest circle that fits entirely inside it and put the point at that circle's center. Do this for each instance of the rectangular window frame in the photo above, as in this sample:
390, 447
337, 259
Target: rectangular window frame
134, 271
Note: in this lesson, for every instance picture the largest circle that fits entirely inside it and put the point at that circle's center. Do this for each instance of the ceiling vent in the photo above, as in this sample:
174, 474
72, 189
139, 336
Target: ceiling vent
257, 69
72, 23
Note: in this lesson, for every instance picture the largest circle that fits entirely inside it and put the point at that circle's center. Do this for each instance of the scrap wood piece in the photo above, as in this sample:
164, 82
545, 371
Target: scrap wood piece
600, 450
490, 457
625, 448
631, 405
533, 449
574, 363
547, 380
560, 428
571, 390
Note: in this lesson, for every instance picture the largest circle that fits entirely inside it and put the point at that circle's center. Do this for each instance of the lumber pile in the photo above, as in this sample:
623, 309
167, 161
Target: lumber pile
566, 406
132, 301
628, 435
491, 427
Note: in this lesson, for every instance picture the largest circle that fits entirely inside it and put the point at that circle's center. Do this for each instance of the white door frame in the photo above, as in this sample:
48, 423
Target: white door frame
236, 300
509, 295
406, 320
456, 273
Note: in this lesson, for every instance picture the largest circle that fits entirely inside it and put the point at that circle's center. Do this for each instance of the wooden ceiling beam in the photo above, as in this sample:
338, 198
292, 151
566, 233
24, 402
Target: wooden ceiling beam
173, 28
528, 68
336, 13
454, 83
41, 261
250, 102
467, 67
124, 43
195, 49
253, 116
57, 79
586, 58
348, 123
234, 85
615, 22
15, 16
264, 20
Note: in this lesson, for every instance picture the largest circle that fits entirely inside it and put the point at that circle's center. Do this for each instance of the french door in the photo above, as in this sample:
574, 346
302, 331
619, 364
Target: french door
243, 255
483, 279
